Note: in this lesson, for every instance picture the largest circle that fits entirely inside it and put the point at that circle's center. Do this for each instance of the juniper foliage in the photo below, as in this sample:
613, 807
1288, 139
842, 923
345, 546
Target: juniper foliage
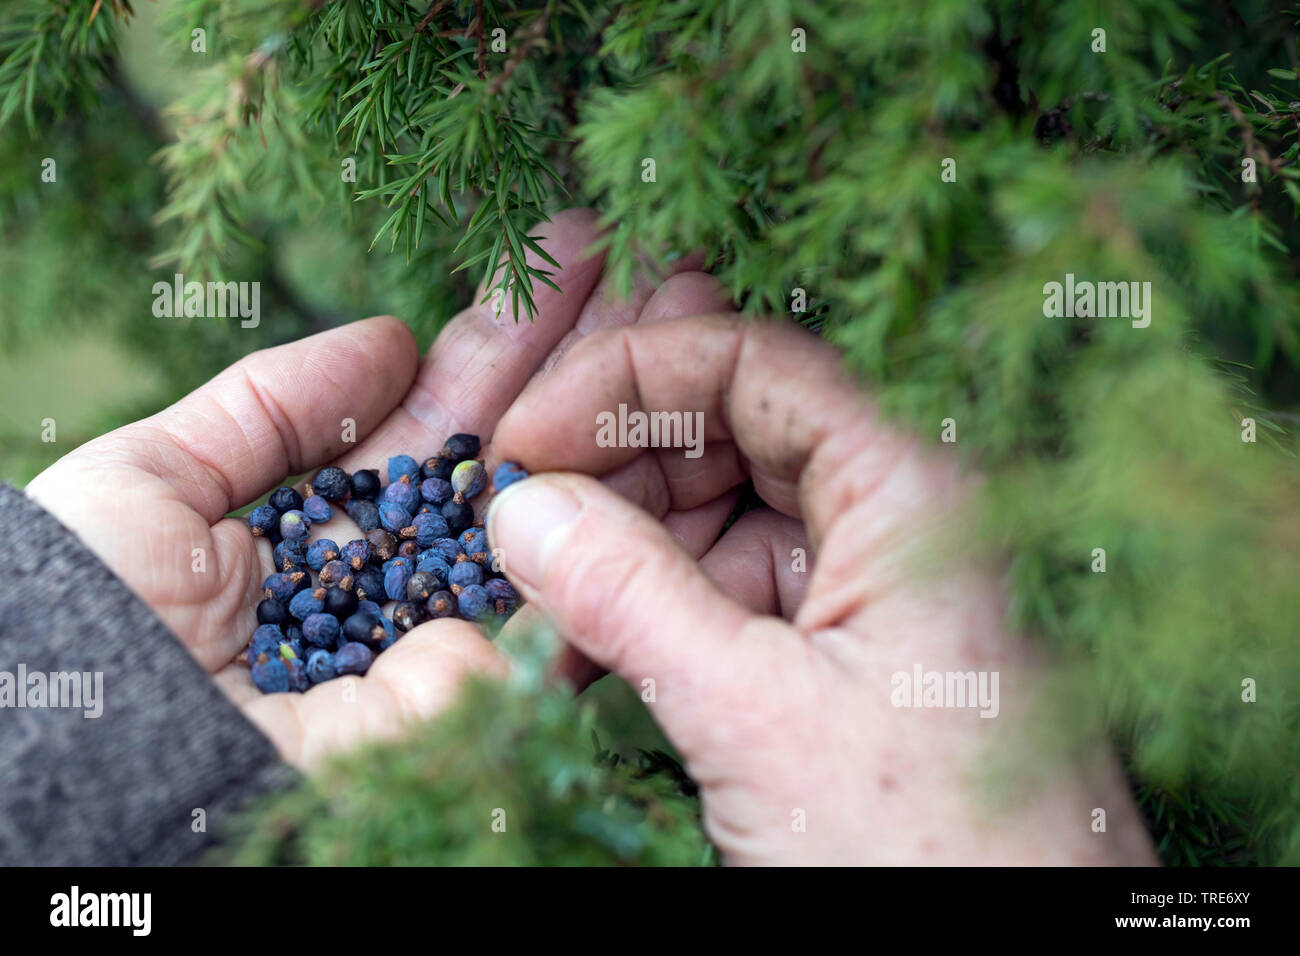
803, 147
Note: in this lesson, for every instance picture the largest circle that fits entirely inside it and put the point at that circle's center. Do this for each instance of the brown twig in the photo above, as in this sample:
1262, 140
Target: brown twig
533, 36
435, 8
480, 52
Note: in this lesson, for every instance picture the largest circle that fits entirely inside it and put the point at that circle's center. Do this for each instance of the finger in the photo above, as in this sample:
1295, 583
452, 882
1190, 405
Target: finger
762, 562
695, 531
621, 591
414, 680
277, 412
481, 361
812, 444
686, 294
609, 308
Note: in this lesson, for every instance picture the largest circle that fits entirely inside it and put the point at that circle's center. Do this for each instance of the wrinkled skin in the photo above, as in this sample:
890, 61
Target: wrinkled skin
774, 683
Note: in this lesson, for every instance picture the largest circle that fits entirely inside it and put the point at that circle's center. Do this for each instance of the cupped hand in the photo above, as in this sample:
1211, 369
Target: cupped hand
151, 499
775, 680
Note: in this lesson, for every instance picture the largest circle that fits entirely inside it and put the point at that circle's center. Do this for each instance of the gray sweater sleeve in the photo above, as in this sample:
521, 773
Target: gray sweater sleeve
122, 787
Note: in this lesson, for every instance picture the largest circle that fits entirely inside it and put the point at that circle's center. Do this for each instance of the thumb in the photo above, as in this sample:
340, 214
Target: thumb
617, 585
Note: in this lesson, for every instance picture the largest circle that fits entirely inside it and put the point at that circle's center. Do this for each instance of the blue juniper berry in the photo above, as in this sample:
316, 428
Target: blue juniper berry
403, 466
428, 529
393, 517
270, 675
473, 602
263, 520
320, 666
353, 658
506, 474
463, 574
317, 509
365, 513
321, 551
321, 630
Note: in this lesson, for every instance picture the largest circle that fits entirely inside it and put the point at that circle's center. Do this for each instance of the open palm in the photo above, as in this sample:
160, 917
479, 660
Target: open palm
151, 498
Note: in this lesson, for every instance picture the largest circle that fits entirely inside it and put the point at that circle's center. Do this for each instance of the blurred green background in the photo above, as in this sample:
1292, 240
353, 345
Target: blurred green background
78, 339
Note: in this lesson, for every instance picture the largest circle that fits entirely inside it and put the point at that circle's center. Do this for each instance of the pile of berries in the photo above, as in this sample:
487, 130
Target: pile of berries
422, 556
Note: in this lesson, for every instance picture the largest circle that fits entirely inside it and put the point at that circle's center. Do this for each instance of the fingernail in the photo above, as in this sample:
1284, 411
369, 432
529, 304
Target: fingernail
529, 522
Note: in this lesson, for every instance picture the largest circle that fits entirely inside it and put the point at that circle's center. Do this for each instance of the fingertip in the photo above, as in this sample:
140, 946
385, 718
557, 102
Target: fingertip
686, 294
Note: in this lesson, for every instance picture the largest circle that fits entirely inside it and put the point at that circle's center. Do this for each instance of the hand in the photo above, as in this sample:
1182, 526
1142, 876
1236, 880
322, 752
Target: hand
775, 685
144, 497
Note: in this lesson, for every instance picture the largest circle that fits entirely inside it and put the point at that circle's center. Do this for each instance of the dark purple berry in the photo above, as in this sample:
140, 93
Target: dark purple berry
364, 513
436, 491
420, 585
294, 526
355, 554
409, 614
317, 509
293, 553
436, 467
332, 483
263, 520
353, 658
441, 604
360, 628
298, 682
369, 585
341, 601
408, 549
459, 447
503, 595
365, 484
272, 611
459, 516
285, 499
507, 473
333, 573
